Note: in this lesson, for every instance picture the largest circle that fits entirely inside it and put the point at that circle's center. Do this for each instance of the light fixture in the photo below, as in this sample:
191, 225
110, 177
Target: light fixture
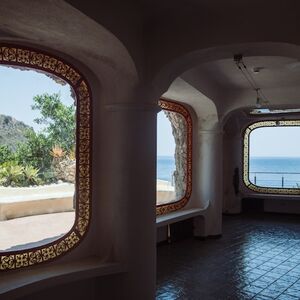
261, 99
256, 70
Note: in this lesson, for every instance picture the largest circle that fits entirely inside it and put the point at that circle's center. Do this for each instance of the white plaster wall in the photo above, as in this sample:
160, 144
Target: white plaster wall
163, 45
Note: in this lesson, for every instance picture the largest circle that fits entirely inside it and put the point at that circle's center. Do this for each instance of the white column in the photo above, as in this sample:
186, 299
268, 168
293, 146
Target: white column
210, 182
130, 162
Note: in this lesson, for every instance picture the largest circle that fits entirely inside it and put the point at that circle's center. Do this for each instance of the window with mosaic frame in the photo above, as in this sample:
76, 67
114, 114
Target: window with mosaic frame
253, 184
33, 59
172, 107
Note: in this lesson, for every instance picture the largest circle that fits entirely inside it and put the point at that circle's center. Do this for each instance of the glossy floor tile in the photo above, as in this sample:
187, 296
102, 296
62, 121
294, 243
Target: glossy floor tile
258, 257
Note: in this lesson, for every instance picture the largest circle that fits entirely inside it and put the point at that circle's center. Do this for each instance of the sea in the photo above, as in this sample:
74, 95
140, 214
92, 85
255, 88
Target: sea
275, 171
165, 167
264, 171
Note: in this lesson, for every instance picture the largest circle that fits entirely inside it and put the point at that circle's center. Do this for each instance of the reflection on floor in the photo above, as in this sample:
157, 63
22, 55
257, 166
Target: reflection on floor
258, 257
27, 232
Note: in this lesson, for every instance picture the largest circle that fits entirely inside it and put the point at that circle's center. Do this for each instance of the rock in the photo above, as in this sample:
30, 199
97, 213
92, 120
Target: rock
179, 131
65, 169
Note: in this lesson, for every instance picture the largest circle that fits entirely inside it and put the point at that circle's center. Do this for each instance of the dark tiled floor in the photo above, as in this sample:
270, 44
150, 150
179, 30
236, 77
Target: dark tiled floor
258, 257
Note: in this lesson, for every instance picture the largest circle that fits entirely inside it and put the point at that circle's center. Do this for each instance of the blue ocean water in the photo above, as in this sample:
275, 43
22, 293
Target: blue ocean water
275, 171
265, 171
165, 167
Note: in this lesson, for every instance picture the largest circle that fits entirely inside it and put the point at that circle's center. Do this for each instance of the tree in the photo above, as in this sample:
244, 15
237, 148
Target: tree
35, 152
59, 120
34, 157
5, 154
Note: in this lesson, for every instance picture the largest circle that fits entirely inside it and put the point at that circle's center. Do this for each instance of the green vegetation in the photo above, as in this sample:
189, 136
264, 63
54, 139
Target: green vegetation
11, 174
29, 161
5, 154
12, 132
58, 118
14, 175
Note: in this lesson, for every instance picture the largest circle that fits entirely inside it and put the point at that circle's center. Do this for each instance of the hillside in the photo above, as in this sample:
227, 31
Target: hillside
12, 131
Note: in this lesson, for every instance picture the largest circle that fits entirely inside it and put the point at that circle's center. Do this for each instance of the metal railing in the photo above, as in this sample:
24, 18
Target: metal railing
282, 179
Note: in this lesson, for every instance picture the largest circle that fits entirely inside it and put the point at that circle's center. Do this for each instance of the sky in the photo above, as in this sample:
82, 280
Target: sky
17, 89
275, 142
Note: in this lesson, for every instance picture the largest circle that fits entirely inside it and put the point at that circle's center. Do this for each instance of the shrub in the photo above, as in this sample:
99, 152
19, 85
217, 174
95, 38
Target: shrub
11, 174
57, 152
31, 176
5, 154
72, 154
35, 152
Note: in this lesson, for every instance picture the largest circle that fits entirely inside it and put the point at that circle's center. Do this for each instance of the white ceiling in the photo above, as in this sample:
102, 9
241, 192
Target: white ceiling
223, 83
276, 72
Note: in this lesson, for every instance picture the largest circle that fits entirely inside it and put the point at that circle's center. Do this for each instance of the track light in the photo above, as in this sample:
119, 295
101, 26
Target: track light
260, 97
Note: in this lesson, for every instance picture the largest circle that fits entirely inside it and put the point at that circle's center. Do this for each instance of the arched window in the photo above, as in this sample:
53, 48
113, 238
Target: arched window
272, 157
53, 156
174, 170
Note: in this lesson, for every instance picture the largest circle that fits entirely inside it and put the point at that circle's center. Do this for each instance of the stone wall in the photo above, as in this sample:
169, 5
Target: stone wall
179, 131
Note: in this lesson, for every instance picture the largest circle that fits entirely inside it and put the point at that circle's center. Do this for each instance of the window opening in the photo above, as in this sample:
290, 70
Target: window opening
272, 157
45, 157
174, 157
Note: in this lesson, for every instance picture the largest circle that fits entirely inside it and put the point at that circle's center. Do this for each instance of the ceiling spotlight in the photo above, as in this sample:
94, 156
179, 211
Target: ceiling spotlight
256, 70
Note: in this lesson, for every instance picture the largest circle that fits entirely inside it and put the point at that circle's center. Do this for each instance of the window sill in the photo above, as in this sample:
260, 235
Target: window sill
178, 216
27, 281
285, 197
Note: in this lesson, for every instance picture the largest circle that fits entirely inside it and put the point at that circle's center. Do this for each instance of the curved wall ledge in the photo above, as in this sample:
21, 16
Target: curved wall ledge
17, 285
